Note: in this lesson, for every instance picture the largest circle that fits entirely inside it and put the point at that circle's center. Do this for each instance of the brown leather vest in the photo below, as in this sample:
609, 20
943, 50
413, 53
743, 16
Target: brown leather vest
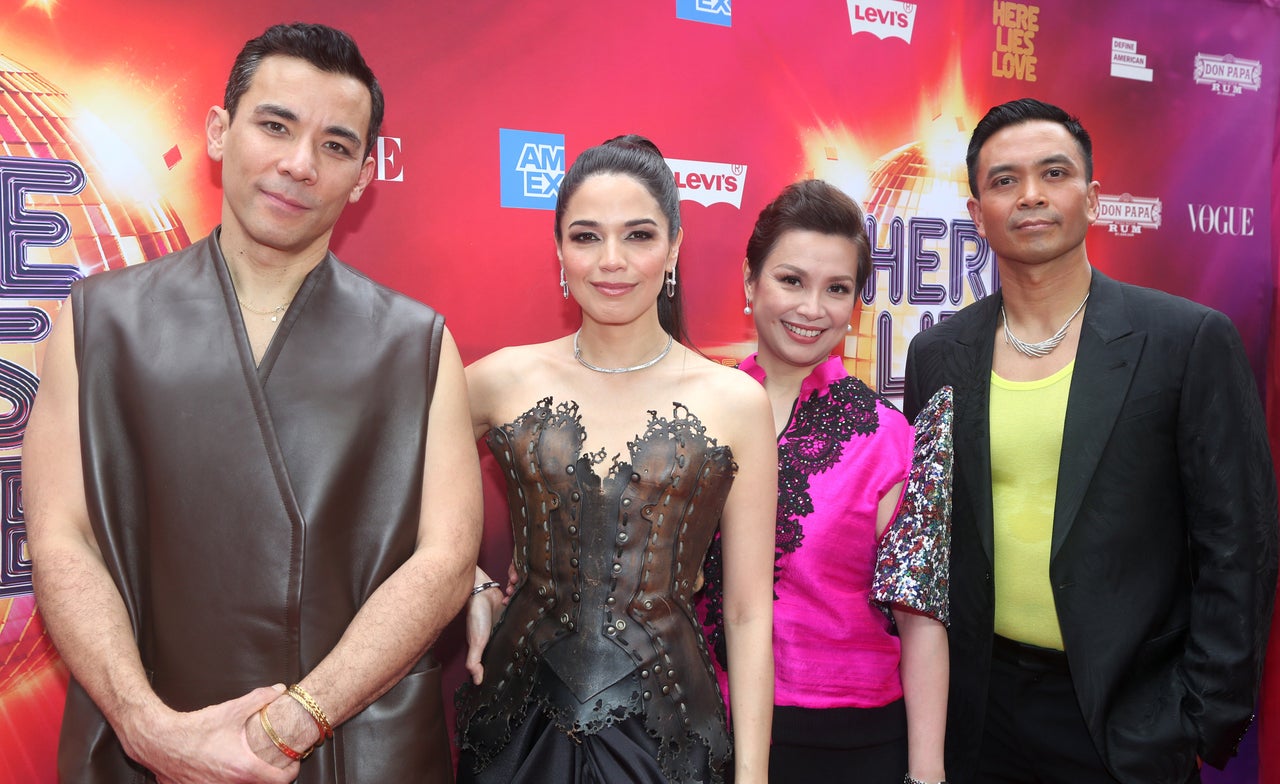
601, 624
247, 513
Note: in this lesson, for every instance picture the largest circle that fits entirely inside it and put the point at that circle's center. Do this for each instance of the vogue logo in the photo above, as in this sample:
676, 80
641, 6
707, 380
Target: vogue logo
882, 18
1227, 221
708, 183
387, 154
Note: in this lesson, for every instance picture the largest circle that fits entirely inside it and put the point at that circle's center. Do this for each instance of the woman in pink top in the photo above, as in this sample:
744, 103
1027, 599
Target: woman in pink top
856, 699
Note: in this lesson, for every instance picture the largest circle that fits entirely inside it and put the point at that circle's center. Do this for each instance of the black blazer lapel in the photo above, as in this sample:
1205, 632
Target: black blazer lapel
1105, 362
973, 352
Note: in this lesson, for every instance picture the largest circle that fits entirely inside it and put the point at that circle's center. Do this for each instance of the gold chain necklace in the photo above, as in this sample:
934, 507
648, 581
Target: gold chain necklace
274, 313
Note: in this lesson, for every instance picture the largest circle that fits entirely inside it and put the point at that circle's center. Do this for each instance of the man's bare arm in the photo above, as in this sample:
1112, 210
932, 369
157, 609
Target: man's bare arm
405, 615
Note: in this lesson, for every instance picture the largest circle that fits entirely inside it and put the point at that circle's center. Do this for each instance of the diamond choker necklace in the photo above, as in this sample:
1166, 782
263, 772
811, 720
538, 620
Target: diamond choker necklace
577, 354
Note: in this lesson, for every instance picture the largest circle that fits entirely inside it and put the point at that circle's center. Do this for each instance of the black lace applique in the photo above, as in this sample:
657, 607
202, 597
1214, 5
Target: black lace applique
713, 597
813, 442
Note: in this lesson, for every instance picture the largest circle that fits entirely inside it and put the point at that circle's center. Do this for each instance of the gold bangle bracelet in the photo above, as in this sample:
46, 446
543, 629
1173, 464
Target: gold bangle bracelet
305, 700
285, 748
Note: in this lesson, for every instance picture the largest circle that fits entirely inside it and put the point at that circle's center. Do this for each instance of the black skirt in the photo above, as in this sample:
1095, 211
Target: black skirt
839, 745
540, 753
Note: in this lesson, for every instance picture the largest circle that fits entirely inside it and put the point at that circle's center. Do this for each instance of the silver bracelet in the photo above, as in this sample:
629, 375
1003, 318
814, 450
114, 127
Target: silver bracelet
907, 779
482, 587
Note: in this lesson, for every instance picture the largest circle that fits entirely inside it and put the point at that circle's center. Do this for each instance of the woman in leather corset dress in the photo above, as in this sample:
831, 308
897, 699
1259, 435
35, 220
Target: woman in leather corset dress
623, 451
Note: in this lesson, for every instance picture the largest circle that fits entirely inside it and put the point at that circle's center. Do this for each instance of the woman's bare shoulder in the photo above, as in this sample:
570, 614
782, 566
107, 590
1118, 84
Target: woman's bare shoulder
496, 380
512, 362
722, 396
723, 379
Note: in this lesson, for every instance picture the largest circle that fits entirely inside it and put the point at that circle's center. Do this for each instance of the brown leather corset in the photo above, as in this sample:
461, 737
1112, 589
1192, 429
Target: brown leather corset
601, 625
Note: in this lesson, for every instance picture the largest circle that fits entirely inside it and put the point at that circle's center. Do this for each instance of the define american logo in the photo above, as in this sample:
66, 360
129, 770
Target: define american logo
1229, 75
1126, 63
883, 18
716, 12
709, 183
1127, 215
532, 165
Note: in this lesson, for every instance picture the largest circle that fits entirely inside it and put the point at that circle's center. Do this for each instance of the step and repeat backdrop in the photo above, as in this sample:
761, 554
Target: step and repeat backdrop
102, 165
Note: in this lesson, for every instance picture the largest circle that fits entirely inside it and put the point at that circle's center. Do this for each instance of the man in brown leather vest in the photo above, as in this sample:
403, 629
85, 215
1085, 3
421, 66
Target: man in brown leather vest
245, 536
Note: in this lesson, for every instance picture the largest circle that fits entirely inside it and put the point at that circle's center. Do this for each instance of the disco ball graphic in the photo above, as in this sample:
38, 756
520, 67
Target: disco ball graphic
25, 643
114, 223
928, 260
116, 219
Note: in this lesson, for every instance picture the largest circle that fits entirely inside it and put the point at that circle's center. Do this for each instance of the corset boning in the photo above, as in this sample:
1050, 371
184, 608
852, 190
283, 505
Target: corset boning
601, 626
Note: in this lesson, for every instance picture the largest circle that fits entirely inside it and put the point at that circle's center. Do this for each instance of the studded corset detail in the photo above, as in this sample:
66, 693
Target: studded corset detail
601, 626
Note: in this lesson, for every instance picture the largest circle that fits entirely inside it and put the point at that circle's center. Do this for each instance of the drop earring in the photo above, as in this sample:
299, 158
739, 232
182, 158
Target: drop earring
564, 284
747, 311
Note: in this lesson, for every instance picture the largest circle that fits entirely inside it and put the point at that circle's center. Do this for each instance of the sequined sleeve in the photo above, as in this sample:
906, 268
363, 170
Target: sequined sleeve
913, 557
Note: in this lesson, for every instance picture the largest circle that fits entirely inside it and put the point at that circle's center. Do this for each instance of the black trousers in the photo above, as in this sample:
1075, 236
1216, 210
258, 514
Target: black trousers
1034, 732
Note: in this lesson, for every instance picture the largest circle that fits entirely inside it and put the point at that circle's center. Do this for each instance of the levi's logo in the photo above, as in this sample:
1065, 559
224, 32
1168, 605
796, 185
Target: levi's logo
879, 16
708, 183
882, 18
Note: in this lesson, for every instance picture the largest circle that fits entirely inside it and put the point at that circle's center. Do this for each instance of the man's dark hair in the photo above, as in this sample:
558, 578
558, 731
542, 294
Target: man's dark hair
1021, 111
325, 48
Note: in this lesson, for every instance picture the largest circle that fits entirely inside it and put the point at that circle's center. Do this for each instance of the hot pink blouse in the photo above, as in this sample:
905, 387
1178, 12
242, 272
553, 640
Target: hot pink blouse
842, 451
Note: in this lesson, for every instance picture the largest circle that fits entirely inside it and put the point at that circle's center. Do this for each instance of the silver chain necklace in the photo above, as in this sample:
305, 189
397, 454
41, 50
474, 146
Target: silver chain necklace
577, 354
1037, 350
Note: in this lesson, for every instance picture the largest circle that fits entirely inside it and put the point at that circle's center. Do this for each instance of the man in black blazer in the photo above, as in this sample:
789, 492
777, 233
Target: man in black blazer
1114, 528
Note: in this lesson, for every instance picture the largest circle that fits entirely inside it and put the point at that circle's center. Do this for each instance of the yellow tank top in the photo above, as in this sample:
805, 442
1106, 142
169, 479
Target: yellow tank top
1026, 441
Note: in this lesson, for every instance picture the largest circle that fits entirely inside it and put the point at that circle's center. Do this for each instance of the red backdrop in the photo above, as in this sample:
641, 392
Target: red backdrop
487, 101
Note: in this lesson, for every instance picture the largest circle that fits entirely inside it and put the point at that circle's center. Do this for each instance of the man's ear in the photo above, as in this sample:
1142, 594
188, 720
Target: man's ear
975, 212
1091, 195
367, 170
215, 128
